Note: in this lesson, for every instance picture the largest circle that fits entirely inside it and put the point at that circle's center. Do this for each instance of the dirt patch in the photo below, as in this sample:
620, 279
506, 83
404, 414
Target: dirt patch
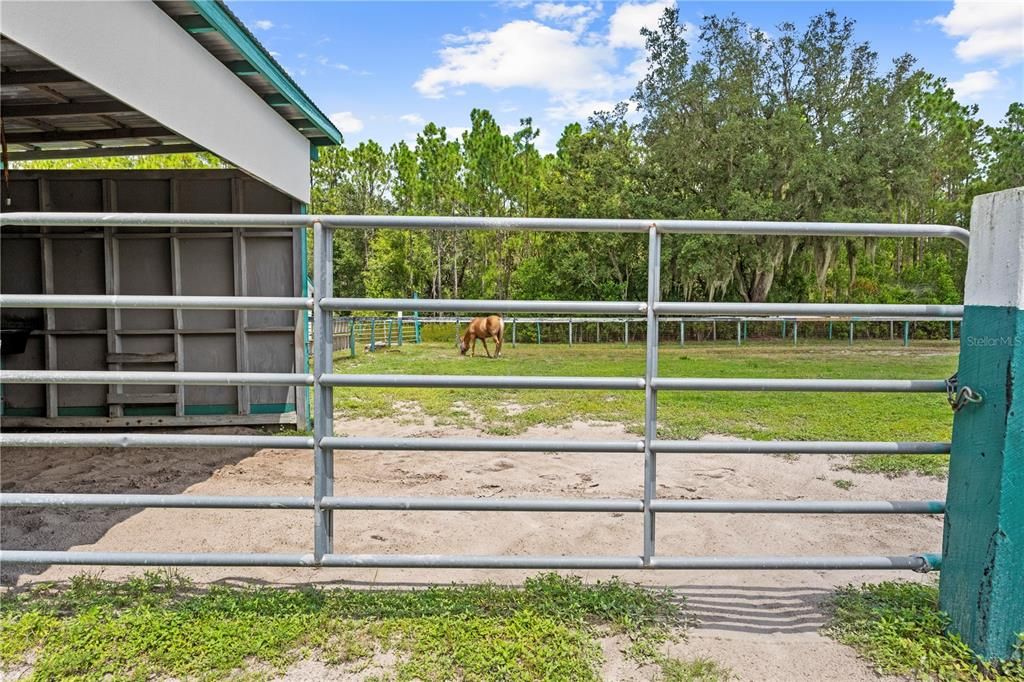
763, 625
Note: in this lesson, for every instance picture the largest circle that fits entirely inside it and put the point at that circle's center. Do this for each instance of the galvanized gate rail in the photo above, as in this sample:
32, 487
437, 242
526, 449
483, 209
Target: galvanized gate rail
323, 502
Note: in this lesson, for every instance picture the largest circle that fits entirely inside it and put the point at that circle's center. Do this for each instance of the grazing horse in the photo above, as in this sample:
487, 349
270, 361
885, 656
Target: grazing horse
483, 328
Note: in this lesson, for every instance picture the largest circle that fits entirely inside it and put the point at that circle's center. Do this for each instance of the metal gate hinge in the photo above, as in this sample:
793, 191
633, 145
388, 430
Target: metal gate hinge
958, 395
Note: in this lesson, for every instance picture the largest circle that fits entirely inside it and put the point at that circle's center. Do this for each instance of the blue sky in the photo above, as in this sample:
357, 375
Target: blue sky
382, 69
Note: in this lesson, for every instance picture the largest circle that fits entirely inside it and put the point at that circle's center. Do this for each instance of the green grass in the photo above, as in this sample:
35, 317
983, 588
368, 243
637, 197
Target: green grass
160, 625
899, 628
695, 670
758, 415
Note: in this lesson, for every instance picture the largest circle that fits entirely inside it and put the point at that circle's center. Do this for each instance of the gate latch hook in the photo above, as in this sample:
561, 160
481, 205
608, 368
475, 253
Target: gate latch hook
958, 395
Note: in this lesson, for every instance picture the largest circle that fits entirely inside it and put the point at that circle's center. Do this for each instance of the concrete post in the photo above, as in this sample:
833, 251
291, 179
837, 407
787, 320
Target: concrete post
983, 540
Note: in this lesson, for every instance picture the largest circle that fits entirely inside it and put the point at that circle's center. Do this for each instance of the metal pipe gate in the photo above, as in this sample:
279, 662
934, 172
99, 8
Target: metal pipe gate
323, 502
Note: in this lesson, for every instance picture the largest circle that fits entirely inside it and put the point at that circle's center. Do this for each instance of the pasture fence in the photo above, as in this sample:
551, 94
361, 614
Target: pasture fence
374, 332
324, 501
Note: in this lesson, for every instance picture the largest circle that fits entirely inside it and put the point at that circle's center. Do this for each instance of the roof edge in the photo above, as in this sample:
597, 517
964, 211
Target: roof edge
217, 14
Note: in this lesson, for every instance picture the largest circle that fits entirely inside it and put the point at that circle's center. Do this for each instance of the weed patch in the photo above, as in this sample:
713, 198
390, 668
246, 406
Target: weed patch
160, 625
899, 628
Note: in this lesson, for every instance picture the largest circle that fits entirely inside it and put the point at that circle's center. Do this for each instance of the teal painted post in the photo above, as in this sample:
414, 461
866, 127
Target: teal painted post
352, 336
416, 324
951, 330
983, 537
400, 325
373, 334
746, 331
783, 329
390, 325
851, 332
538, 333
906, 333
829, 331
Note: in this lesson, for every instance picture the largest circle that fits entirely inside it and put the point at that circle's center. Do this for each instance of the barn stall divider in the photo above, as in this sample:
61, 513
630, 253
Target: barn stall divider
965, 397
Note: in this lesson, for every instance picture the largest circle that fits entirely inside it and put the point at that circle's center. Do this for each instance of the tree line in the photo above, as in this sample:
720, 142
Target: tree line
739, 124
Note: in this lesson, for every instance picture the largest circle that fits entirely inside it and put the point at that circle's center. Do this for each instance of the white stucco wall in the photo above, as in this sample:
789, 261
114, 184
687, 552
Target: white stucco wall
138, 54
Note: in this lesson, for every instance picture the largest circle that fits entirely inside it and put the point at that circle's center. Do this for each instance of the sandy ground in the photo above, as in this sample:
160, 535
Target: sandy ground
763, 625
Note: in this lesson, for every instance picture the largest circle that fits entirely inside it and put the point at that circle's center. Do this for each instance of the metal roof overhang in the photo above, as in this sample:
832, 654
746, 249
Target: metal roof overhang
107, 79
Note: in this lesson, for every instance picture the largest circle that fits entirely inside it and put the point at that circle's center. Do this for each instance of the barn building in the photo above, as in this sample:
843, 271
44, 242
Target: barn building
93, 79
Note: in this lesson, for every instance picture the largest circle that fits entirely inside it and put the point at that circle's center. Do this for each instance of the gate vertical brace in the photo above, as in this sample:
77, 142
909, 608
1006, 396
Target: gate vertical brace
323, 402
983, 534
650, 395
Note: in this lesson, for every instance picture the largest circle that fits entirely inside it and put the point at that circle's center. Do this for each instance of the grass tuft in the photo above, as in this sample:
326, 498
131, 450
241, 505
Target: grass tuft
899, 628
898, 465
160, 625
695, 670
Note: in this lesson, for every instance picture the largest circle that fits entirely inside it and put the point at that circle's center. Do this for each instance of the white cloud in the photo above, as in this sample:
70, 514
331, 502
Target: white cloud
519, 54
324, 61
577, 109
579, 16
574, 109
264, 24
556, 11
455, 132
414, 119
975, 83
627, 20
988, 29
346, 122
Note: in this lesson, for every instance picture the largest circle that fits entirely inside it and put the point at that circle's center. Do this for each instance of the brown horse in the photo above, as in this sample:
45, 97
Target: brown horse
483, 328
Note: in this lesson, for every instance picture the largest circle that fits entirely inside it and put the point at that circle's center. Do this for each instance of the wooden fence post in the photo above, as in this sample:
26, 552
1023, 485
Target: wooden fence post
983, 540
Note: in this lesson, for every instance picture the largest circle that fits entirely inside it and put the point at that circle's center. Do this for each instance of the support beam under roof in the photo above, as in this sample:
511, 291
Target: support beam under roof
69, 109
120, 133
40, 77
46, 154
